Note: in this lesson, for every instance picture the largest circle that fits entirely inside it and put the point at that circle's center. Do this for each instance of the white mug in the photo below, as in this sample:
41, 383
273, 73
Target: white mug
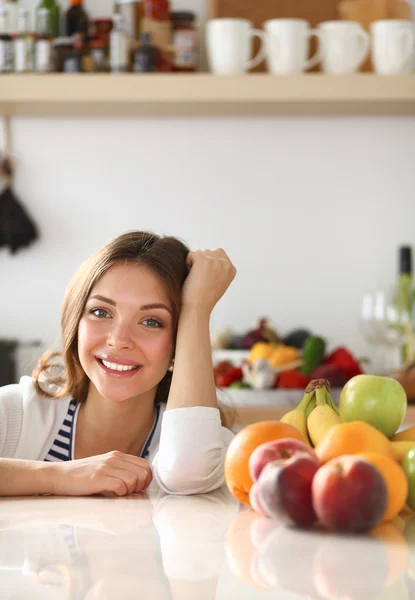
229, 46
287, 44
393, 44
345, 46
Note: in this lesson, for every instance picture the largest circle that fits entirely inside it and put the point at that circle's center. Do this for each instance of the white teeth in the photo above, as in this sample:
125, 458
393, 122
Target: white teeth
117, 367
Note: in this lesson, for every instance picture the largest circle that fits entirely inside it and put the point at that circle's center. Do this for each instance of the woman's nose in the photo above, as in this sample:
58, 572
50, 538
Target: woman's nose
119, 337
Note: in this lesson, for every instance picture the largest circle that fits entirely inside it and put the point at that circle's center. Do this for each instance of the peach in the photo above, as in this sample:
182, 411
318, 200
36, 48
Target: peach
349, 494
276, 450
284, 489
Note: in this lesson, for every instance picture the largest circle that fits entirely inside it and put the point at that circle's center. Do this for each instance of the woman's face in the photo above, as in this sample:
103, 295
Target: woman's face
125, 336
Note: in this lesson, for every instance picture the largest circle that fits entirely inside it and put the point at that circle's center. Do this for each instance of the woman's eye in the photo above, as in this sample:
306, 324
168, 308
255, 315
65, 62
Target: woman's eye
100, 313
152, 323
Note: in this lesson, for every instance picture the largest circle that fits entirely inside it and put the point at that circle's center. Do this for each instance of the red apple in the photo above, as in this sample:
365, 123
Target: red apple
284, 489
349, 494
280, 449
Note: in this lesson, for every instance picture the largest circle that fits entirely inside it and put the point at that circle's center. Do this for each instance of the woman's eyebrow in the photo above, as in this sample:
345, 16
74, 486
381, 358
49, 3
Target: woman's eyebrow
144, 307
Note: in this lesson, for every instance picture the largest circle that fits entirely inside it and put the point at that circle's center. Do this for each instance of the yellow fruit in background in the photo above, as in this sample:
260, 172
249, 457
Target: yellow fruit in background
260, 350
353, 438
395, 480
407, 435
283, 355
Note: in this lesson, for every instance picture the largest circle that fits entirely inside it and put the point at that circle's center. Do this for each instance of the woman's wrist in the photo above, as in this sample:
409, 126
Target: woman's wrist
195, 309
49, 474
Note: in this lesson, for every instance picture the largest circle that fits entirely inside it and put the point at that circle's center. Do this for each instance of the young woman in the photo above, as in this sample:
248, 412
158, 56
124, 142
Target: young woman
134, 397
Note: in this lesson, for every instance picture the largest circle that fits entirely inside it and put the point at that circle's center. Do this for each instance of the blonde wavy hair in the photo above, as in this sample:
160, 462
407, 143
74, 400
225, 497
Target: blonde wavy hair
164, 255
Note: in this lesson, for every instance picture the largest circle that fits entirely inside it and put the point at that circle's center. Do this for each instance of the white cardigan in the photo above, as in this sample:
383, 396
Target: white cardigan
187, 451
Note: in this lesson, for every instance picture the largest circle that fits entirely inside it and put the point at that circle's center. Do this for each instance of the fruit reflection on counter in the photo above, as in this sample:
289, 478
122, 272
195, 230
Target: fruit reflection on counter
379, 566
285, 363
341, 469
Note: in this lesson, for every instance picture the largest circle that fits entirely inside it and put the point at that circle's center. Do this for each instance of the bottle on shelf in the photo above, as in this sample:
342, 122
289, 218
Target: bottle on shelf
404, 304
54, 12
184, 41
159, 10
43, 42
77, 24
119, 46
147, 56
156, 21
12, 9
23, 43
6, 43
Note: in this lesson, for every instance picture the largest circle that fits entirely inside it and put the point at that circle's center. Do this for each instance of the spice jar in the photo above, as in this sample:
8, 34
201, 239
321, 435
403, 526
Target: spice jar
184, 41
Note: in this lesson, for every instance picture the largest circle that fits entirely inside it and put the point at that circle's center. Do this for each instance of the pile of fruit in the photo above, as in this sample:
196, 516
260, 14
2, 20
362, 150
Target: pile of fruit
345, 468
287, 367
288, 362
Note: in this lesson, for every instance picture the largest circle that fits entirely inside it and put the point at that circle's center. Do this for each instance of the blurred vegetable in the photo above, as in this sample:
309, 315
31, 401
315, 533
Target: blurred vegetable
260, 350
259, 374
345, 362
283, 355
292, 380
330, 372
296, 338
262, 333
313, 354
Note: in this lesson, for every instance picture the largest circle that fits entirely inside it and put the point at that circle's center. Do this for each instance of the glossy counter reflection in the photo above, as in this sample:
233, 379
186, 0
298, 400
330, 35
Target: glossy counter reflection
201, 547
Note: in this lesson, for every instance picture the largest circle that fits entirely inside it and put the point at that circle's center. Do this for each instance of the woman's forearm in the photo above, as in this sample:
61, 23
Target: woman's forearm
26, 477
193, 383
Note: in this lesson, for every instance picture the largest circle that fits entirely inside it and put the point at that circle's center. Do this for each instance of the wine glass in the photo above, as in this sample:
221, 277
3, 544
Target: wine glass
384, 323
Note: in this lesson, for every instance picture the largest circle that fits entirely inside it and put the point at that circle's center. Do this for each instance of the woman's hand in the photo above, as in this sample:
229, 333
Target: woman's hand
211, 273
114, 474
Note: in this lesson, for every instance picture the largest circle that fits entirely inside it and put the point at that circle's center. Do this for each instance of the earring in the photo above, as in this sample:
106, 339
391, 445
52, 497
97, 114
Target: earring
171, 366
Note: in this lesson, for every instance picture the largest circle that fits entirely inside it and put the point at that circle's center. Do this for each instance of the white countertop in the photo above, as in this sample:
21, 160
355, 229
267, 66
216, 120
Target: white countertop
207, 547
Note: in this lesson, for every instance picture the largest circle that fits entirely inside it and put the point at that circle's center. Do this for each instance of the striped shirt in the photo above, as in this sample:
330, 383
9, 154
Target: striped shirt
63, 447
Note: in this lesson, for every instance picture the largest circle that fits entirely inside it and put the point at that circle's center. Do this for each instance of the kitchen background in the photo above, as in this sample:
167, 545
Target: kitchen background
311, 210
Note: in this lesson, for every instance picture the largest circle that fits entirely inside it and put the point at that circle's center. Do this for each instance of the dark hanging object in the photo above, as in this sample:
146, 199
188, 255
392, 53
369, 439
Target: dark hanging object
17, 230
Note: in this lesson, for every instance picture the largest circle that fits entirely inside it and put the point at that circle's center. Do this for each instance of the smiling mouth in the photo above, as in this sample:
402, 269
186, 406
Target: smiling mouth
118, 367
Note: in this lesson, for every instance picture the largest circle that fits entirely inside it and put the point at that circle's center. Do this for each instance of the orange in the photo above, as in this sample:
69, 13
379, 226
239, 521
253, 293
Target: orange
395, 480
243, 444
241, 548
352, 438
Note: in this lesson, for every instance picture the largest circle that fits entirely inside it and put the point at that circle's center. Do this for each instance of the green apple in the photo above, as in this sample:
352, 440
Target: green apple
379, 401
408, 465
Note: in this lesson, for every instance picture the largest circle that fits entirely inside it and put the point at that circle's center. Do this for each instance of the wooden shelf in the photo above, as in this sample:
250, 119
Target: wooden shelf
204, 94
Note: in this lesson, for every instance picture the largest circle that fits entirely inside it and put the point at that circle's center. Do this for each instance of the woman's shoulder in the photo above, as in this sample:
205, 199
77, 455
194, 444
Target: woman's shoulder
27, 419
24, 394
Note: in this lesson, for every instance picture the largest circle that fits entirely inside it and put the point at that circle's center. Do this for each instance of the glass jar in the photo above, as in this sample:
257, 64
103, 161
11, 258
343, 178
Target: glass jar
62, 48
184, 41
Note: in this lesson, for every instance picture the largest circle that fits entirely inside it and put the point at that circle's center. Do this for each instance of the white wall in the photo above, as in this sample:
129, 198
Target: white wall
311, 210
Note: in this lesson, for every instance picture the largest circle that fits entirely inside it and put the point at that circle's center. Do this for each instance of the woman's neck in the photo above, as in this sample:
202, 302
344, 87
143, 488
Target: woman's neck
104, 425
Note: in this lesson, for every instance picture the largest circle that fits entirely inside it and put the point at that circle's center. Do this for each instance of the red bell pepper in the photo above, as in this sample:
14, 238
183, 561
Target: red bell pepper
345, 362
292, 380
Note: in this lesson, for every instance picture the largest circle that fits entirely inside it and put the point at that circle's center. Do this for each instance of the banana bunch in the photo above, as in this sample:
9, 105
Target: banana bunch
316, 413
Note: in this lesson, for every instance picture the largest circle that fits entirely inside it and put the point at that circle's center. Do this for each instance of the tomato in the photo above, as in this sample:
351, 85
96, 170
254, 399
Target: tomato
292, 379
224, 379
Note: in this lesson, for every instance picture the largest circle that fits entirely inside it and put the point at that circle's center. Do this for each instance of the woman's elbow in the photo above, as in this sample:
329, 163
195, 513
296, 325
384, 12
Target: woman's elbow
192, 475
